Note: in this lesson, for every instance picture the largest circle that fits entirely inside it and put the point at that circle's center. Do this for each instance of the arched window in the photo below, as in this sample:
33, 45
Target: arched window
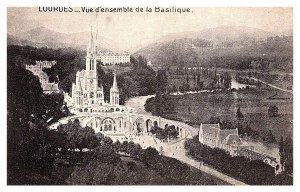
108, 125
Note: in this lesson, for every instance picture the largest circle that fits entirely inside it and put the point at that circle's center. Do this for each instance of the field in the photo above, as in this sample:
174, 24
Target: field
254, 104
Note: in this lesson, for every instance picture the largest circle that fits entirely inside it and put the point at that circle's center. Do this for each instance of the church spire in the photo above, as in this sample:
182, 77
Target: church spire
115, 86
91, 42
114, 92
79, 87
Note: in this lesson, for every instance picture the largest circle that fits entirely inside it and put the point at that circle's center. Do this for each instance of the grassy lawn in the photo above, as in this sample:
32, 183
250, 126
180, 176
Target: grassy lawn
254, 104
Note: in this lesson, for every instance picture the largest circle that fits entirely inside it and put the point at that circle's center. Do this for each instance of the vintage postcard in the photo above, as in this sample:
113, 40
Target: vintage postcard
150, 95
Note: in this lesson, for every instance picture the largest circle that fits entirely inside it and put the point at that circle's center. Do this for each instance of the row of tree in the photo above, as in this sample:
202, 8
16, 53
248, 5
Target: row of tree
202, 78
253, 172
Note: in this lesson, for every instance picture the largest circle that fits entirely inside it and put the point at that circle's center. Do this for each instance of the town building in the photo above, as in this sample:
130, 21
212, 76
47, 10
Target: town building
214, 137
110, 58
228, 139
37, 70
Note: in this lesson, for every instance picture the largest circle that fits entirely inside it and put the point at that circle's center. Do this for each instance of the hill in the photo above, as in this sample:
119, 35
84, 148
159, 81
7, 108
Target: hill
44, 37
223, 47
222, 34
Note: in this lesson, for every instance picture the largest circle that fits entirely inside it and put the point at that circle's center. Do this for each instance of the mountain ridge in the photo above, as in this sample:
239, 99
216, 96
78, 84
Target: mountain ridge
42, 36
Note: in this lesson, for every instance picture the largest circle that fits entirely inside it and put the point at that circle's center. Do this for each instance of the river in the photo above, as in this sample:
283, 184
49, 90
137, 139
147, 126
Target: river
138, 104
236, 85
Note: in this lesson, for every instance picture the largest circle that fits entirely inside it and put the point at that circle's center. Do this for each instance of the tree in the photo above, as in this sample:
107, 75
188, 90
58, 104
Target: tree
162, 81
106, 154
54, 107
155, 129
77, 137
96, 173
117, 145
171, 131
148, 156
214, 120
269, 137
273, 111
227, 81
133, 149
239, 114
226, 124
30, 144
24, 95
287, 155
200, 86
281, 150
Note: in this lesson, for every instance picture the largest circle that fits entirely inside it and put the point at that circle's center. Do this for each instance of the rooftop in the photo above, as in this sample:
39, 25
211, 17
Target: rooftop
226, 132
210, 128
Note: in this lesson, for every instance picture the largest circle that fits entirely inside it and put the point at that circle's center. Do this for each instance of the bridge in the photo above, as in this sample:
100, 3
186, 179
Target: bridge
123, 123
131, 122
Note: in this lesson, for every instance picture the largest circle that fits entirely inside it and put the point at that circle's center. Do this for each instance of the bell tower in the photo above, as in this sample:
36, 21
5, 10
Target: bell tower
114, 92
91, 54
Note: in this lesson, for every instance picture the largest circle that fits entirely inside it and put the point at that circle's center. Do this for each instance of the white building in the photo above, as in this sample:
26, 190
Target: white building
37, 70
87, 96
110, 58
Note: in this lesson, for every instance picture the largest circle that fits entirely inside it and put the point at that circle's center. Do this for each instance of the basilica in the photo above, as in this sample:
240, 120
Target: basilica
87, 95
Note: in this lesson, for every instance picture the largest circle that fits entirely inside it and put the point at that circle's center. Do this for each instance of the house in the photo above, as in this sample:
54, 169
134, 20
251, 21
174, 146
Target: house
213, 136
228, 139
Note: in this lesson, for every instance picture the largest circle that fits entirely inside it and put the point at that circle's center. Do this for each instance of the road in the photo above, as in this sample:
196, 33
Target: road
274, 86
175, 150
180, 154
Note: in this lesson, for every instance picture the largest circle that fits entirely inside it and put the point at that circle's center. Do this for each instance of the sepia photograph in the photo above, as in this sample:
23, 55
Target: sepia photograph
150, 96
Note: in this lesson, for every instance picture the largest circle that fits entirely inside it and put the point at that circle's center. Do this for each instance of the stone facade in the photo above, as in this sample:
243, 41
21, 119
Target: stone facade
87, 96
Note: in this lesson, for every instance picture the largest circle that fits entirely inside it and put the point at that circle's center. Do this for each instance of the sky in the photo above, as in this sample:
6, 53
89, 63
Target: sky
128, 27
